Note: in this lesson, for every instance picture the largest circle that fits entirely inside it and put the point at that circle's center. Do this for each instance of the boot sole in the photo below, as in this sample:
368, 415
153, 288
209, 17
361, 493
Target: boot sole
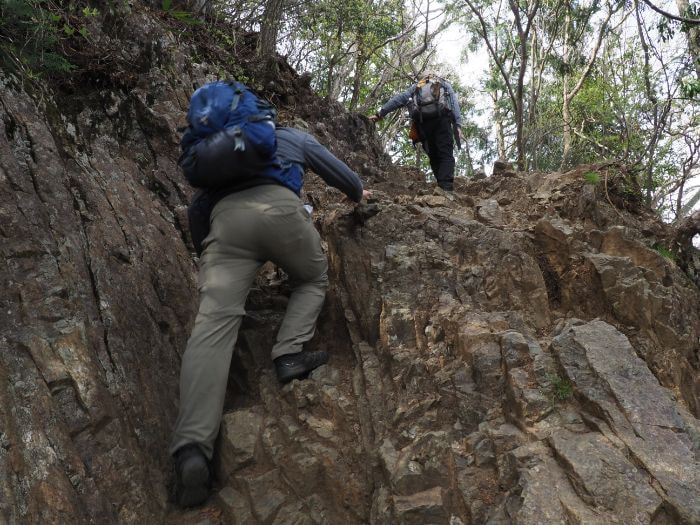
290, 373
194, 484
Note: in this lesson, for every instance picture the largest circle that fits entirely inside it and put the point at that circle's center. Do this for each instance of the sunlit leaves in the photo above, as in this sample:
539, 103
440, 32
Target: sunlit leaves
690, 87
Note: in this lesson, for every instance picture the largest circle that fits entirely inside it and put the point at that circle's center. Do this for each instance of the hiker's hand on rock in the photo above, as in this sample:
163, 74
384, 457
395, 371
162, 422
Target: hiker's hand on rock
366, 194
375, 117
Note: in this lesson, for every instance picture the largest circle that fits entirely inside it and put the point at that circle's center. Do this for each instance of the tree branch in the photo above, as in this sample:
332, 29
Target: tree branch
594, 54
492, 52
691, 21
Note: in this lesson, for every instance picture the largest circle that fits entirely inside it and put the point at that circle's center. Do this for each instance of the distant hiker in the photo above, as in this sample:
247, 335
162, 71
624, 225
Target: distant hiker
434, 110
255, 217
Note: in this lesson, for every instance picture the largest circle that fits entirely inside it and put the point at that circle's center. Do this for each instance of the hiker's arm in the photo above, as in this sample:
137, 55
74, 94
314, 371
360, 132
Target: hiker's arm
454, 104
331, 169
396, 102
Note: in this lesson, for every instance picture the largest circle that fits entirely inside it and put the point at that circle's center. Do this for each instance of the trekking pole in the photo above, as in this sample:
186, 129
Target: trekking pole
455, 132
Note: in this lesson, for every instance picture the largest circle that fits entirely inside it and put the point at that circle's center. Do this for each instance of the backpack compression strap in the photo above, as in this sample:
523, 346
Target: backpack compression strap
237, 92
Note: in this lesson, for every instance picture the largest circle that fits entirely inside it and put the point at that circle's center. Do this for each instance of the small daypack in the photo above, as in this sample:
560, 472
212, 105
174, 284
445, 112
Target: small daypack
230, 137
429, 99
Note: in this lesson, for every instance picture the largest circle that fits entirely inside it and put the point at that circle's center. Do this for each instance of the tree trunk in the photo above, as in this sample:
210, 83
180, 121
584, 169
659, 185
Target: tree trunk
519, 132
357, 83
693, 35
500, 138
566, 136
690, 226
566, 101
360, 61
534, 88
498, 126
519, 111
682, 244
269, 27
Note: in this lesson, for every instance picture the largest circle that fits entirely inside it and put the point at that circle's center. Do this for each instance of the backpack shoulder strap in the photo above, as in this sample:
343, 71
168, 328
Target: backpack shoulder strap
238, 90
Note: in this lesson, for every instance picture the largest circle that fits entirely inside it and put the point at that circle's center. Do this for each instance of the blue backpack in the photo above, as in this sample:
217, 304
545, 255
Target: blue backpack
230, 137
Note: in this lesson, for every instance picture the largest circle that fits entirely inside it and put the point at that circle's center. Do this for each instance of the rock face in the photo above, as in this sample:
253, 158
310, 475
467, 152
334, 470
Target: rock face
515, 352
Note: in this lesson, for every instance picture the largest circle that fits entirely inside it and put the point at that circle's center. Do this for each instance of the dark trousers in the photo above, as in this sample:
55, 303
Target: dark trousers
438, 142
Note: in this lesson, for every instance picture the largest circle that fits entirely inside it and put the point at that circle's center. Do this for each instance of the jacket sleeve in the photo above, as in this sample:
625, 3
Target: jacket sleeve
397, 101
331, 169
454, 103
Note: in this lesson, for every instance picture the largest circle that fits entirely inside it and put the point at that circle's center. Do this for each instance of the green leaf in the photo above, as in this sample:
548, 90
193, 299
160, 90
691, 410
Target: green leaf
690, 87
167, 5
68, 30
84, 32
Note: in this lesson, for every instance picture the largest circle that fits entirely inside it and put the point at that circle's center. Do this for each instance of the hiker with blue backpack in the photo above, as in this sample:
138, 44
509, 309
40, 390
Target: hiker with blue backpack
247, 212
436, 117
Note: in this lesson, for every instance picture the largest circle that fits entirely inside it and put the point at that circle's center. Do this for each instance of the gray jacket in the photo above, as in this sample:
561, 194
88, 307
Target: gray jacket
402, 99
299, 147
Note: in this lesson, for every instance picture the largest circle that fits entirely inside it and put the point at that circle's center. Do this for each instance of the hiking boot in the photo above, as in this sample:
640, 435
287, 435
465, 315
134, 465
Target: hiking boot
295, 366
193, 477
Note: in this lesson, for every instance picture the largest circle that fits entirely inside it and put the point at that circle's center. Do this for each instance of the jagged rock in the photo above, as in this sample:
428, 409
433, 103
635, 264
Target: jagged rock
240, 433
421, 508
325, 375
501, 166
544, 494
609, 375
527, 368
605, 478
489, 212
484, 453
487, 367
234, 505
265, 496
433, 201
323, 427
293, 515
421, 465
529, 404
381, 506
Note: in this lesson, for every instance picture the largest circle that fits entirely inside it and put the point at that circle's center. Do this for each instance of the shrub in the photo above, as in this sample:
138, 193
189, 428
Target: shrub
592, 177
664, 252
560, 389
32, 33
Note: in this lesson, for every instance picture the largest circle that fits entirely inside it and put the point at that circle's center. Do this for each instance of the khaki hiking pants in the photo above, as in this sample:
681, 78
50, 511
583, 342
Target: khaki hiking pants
248, 228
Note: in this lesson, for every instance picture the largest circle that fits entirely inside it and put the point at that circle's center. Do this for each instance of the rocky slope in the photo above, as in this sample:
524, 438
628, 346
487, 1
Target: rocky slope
517, 352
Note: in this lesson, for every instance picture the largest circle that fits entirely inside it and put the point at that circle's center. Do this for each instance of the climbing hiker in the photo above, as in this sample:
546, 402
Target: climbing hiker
255, 216
436, 117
